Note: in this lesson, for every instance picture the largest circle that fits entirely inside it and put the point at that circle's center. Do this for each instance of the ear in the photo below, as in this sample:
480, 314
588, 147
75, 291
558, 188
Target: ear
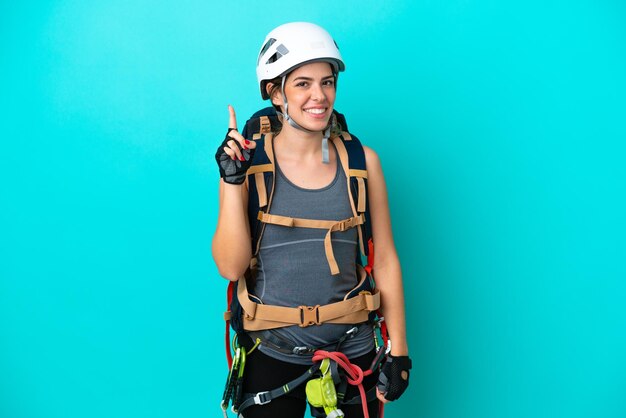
277, 97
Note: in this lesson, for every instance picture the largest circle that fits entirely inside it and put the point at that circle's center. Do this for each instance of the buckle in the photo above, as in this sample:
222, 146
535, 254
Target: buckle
350, 333
301, 350
257, 398
265, 125
349, 223
309, 315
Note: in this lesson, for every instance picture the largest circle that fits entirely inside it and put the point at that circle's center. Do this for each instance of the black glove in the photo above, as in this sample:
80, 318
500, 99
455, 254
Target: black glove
394, 377
233, 171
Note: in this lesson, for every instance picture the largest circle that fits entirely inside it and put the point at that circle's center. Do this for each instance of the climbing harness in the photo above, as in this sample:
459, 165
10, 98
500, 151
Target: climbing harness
327, 391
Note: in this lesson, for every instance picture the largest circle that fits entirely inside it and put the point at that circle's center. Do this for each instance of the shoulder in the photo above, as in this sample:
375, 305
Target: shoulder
372, 161
370, 154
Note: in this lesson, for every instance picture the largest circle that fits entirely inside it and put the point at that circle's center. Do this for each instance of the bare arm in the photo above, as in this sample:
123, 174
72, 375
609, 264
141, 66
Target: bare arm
231, 242
386, 263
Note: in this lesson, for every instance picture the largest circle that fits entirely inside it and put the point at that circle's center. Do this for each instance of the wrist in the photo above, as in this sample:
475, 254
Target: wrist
232, 186
398, 350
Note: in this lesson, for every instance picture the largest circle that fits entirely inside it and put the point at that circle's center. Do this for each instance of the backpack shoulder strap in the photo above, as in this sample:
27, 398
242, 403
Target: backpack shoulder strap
352, 159
260, 175
260, 181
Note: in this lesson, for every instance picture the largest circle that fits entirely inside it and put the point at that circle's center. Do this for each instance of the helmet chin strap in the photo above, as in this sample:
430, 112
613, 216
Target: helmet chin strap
293, 123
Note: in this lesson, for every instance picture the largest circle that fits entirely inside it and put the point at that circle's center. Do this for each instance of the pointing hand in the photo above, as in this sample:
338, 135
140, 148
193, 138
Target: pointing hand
234, 155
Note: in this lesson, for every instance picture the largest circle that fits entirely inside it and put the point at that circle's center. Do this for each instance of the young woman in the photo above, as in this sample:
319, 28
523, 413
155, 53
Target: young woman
297, 70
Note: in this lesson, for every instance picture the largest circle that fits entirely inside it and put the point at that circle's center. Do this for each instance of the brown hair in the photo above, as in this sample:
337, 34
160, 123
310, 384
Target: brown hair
276, 84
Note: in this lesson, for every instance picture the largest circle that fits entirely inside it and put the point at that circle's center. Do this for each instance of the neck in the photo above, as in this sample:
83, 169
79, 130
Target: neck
297, 144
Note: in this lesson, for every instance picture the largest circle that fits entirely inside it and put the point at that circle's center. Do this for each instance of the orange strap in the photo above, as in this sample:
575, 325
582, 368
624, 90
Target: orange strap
258, 316
259, 180
331, 226
265, 127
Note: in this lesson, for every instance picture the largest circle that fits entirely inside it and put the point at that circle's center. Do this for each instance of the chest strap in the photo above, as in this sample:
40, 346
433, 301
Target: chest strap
331, 226
258, 316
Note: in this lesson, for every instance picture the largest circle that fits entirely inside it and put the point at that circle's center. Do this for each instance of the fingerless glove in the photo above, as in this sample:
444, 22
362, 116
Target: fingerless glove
394, 377
233, 171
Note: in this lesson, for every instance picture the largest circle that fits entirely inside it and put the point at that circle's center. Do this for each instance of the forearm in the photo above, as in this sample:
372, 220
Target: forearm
389, 282
231, 242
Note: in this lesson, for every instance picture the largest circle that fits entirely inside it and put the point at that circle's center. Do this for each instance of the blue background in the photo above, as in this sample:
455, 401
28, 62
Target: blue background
501, 129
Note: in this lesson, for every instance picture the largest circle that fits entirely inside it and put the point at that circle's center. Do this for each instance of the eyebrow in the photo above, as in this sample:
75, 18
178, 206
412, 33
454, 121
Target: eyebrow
310, 79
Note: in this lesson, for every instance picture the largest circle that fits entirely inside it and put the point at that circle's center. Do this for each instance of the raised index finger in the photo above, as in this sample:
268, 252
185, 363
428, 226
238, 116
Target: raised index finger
232, 121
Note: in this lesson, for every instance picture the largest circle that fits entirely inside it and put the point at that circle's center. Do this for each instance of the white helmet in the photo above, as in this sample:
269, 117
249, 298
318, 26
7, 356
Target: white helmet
291, 45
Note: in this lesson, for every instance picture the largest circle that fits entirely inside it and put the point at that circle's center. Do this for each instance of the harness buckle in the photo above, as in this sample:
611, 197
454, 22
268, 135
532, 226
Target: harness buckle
309, 315
259, 401
265, 125
301, 350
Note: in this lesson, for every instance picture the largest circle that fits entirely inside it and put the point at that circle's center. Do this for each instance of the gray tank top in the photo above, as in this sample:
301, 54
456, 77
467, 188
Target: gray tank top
293, 269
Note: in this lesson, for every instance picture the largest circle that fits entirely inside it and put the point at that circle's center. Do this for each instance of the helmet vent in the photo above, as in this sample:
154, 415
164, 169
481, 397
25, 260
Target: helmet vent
267, 45
281, 51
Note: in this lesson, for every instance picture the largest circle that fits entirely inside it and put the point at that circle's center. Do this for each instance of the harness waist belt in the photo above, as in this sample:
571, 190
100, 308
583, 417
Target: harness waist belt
258, 316
285, 346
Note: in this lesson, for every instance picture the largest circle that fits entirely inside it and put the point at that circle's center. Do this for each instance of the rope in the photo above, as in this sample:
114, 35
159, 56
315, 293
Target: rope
229, 298
354, 374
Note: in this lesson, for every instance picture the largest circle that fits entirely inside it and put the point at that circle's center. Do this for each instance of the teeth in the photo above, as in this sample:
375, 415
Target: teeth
315, 111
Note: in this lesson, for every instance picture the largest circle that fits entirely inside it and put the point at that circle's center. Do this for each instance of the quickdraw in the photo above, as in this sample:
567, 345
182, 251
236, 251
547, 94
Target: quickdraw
234, 383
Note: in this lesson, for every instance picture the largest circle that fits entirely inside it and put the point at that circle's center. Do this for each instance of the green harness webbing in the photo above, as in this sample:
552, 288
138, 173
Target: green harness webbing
261, 398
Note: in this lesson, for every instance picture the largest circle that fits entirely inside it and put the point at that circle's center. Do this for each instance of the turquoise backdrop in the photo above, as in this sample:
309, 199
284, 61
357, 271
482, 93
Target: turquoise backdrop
501, 128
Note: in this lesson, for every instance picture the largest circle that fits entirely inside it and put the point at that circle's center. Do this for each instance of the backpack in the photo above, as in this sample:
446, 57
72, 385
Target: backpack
245, 311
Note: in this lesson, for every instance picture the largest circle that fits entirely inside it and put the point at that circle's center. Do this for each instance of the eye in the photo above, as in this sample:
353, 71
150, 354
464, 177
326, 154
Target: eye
329, 82
302, 84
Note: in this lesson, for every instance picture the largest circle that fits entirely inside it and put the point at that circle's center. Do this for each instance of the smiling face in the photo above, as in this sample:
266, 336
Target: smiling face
310, 92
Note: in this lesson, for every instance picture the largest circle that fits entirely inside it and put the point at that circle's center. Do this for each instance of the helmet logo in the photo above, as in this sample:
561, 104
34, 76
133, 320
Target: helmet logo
281, 51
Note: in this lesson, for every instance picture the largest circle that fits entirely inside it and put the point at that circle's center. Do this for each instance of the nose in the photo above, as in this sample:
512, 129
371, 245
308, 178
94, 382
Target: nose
317, 92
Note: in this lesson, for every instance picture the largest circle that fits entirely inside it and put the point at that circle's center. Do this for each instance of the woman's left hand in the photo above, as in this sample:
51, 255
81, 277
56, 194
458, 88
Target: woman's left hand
394, 378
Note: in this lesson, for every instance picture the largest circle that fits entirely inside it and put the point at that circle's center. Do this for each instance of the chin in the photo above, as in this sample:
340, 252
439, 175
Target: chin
314, 125
317, 126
